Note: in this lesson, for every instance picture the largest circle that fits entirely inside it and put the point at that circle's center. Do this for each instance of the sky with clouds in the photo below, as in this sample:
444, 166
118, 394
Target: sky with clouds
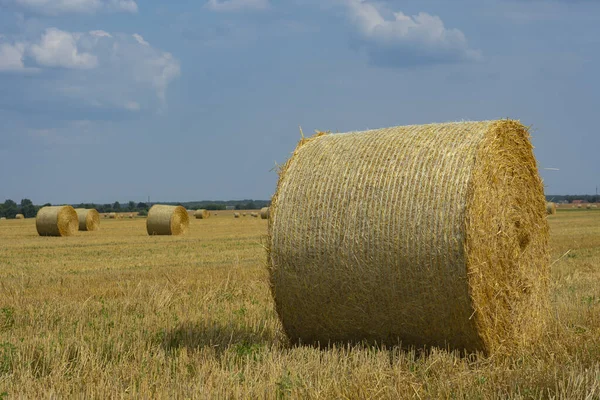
104, 100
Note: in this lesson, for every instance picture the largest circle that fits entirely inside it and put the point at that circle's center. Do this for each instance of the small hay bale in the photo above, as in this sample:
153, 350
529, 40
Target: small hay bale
588, 206
594, 206
89, 219
202, 214
236, 215
406, 271
19, 216
550, 208
243, 214
57, 221
112, 215
130, 216
264, 213
255, 215
2, 218
167, 220
578, 205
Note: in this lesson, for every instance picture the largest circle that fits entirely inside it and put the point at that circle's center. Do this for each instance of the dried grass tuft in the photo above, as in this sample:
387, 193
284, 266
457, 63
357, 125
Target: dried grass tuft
264, 213
89, 219
202, 214
57, 221
471, 273
550, 208
167, 220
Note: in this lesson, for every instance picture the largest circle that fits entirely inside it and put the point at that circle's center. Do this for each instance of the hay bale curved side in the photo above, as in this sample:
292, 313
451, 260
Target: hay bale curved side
202, 214
550, 208
167, 220
264, 213
56, 221
89, 219
19, 216
427, 276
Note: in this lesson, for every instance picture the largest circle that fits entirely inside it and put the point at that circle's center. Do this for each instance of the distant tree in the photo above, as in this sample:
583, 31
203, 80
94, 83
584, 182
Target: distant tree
10, 209
27, 208
117, 206
131, 206
142, 206
47, 205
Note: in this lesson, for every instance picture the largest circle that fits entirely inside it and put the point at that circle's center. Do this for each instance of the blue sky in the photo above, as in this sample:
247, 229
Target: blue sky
104, 100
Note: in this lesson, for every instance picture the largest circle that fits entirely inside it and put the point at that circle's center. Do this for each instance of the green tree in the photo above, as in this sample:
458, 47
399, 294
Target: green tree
27, 208
117, 206
131, 205
10, 209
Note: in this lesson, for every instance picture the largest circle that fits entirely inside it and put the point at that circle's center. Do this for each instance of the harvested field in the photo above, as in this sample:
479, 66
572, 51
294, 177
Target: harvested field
117, 313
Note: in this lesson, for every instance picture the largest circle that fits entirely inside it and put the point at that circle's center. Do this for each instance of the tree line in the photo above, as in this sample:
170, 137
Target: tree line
9, 209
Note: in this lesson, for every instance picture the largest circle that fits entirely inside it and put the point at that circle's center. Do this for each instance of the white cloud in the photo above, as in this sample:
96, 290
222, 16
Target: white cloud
97, 68
56, 7
402, 40
237, 5
59, 49
11, 57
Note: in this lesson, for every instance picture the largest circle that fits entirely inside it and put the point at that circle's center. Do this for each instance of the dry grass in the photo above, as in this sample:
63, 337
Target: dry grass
117, 313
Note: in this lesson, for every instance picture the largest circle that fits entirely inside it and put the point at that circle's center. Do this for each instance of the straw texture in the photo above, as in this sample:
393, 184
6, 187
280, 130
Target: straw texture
470, 273
264, 213
550, 208
202, 214
56, 221
89, 219
167, 220
19, 216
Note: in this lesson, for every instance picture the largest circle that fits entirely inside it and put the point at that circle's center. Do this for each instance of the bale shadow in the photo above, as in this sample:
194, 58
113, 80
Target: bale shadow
212, 334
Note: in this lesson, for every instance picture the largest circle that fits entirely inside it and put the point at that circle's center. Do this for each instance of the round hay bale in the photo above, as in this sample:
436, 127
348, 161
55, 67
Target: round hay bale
236, 215
588, 206
550, 208
594, 206
112, 215
202, 214
264, 213
167, 220
89, 219
2, 218
471, 273
57, 221
19, 216
130, 216
255, 215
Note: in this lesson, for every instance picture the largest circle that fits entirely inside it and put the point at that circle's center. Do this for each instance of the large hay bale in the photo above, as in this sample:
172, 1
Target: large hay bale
167, 220
19, 216
202, 214
236, 215
550, 208
470, 273
56, 221
264, 213
89, 219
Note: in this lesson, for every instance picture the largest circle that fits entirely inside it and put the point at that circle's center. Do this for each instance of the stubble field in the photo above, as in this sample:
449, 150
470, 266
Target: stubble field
116, 313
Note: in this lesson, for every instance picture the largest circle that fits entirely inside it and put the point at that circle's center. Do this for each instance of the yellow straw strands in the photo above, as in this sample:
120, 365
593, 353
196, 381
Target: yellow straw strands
202, 214
89, 219
550, 208
264, 213
167, 220
471, 273
56, 221
19, 216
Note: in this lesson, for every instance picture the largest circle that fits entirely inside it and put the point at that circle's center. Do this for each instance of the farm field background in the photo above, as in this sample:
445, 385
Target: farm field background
117, 313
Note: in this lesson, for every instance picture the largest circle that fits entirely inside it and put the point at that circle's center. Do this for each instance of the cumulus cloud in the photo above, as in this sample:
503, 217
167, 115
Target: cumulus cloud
11, 57
56, 7
237, 5
101, 69
59, 49
402, 40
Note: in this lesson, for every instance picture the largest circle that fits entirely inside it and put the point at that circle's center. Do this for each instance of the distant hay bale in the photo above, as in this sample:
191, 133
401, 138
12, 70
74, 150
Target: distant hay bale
112, 215
236, 215
89, 219
255, 215
57, 221
3, 218
550, 208
594, 206
264, 213
131, 216
243, 214
357, 252
167, 220
19, 216
202, 214
588, 206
